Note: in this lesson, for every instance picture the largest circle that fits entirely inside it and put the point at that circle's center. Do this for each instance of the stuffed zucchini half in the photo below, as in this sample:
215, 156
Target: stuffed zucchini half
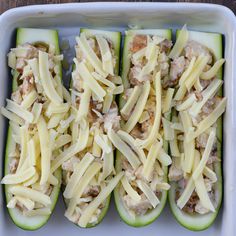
196, 173
34, 135
88, 163
142, 147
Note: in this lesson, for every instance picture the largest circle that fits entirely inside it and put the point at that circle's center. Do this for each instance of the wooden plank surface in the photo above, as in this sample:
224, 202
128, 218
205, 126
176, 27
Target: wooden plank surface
7, 4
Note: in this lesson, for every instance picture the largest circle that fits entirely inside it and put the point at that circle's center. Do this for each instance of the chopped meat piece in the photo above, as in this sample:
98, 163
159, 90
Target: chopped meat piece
195, 49
13, 165
92, 191
20, 64
192, 202
139, 42
163, 62
78, 83
165, 45
205, 83
134, 74
136, 132
111, 118
16, 97
32, 51
175, 174
138, 173
198, 96
201, 140
141, 207
199, 208
27, 85
177, 68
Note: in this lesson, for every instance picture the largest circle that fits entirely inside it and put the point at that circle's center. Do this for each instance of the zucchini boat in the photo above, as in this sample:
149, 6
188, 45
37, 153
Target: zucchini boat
34, 136
88, 169
196, 174
142, 147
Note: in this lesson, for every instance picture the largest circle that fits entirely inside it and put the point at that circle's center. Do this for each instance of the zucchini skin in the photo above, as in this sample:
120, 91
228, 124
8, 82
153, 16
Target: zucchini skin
152, 215
115, 37
24, 35
201, 222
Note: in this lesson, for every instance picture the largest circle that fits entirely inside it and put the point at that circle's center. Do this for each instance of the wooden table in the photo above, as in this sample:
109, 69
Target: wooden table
7, 4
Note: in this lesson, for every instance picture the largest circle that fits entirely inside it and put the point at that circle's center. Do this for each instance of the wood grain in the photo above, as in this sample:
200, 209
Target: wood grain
7, 4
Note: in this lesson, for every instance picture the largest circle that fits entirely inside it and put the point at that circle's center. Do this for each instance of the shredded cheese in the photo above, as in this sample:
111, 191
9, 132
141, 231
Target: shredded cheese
46, 152
80, 169
131, 142
151, 158
12, 116
180, 43
92, 207
107, 63
19, 111
46, 79
132, 100
30, 194
129, 190
138, 110
18, 177
124, 149
155, 128
168, 99
213, 71
148, 193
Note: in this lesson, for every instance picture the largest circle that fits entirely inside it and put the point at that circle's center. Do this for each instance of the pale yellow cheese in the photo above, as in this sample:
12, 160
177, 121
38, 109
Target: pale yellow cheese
213, 70
210, 119
29, 99
90, 54
92, 207
36, 111
79, 170
92, 170
132, 100
12, 116
139, 107
168, 131
103, 80
155, 128
187, 193
84, 103
89, 79
19, 177
168, 99
107, 60
151, 196
151, 158
46, 79
131, 142
124, 149
199, 169
78, 146
186, 104
19, 111
180, 43
30, 194
129, 189
206, 94
46, 152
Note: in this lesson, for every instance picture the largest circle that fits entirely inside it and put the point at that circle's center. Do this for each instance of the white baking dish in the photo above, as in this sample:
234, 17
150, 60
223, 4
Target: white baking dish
68, 18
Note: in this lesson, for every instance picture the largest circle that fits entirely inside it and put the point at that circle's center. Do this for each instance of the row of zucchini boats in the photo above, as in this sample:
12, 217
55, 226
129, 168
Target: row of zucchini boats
153, 132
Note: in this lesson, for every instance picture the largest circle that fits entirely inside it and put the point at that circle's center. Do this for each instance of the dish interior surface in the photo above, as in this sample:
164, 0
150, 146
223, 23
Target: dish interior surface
67, 19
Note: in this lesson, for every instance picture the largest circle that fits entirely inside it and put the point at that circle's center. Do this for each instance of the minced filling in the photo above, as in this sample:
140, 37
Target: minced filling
142, 127
32, 145
89, 168
197, 106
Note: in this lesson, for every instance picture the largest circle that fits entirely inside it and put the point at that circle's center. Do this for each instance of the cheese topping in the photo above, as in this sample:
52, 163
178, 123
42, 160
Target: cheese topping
37, 95
198, 106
